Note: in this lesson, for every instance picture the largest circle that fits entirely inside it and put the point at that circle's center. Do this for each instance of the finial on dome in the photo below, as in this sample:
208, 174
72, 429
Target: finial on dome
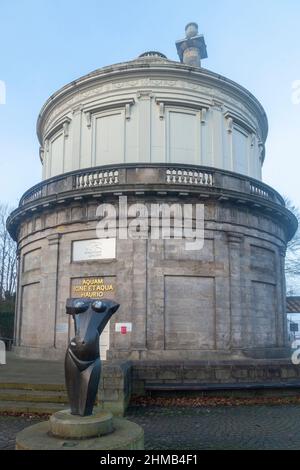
193, 48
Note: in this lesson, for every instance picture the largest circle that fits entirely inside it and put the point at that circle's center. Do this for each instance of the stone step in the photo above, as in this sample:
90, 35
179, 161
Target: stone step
32, 386
37, 396
202, 387
30, 407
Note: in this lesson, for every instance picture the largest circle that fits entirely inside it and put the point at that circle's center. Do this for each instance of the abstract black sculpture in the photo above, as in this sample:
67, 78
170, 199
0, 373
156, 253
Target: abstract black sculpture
82, 363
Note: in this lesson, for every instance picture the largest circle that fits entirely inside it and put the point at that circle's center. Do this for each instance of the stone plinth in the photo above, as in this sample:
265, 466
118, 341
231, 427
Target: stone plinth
97, 432
64, 424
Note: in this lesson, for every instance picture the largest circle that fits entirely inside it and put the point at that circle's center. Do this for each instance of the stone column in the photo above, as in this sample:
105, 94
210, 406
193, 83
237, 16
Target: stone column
282, 333
156, 297
217, 131
222, 293
76, 136
145, 103
234, 244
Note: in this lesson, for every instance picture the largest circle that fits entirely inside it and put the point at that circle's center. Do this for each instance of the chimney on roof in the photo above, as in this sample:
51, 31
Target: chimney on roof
192, 48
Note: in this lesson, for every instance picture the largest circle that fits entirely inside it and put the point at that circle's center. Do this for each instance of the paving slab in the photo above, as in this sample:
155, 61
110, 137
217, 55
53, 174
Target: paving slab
203, 428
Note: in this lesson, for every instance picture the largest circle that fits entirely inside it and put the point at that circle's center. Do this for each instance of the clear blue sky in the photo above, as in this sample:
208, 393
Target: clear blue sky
45, 44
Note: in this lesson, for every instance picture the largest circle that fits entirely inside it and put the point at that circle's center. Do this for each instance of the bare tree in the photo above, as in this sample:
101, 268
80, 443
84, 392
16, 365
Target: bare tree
292, 261
8, 258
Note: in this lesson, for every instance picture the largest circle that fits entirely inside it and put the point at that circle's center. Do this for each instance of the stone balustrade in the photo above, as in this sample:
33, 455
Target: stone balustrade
152, 177
261, 191
181, 176
95, 178
33, 194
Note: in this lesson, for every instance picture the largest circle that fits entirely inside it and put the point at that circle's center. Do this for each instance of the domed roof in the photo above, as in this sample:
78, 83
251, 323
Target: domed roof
153, 54
152, 57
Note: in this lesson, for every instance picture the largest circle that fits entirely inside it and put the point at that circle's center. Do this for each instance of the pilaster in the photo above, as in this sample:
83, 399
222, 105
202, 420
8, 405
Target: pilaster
51, 269
235, 242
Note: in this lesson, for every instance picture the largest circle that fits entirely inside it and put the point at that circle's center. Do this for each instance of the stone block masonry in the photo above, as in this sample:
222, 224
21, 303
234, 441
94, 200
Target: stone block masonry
186, 375
115, 386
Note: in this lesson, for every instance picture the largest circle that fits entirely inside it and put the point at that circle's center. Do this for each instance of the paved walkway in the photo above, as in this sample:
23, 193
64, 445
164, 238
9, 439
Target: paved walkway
243, 427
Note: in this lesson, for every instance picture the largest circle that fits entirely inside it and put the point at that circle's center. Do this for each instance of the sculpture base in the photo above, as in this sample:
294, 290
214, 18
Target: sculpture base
75, 433
64, 424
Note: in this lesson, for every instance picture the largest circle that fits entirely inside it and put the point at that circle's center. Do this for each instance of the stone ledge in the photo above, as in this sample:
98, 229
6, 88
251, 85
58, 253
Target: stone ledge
184, 375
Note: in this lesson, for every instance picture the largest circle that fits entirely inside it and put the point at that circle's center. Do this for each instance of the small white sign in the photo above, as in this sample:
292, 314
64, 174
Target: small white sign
62, 328
99, 248
123, 328
2, 353
2, 92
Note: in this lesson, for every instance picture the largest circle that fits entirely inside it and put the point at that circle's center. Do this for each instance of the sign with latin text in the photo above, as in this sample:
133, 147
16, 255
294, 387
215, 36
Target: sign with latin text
93, 287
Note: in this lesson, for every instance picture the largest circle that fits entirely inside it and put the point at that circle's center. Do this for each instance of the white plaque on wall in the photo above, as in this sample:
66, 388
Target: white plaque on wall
123, 327
99, 248
62, 328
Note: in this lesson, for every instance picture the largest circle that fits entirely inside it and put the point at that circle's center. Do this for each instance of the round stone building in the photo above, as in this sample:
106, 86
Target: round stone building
154, 131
